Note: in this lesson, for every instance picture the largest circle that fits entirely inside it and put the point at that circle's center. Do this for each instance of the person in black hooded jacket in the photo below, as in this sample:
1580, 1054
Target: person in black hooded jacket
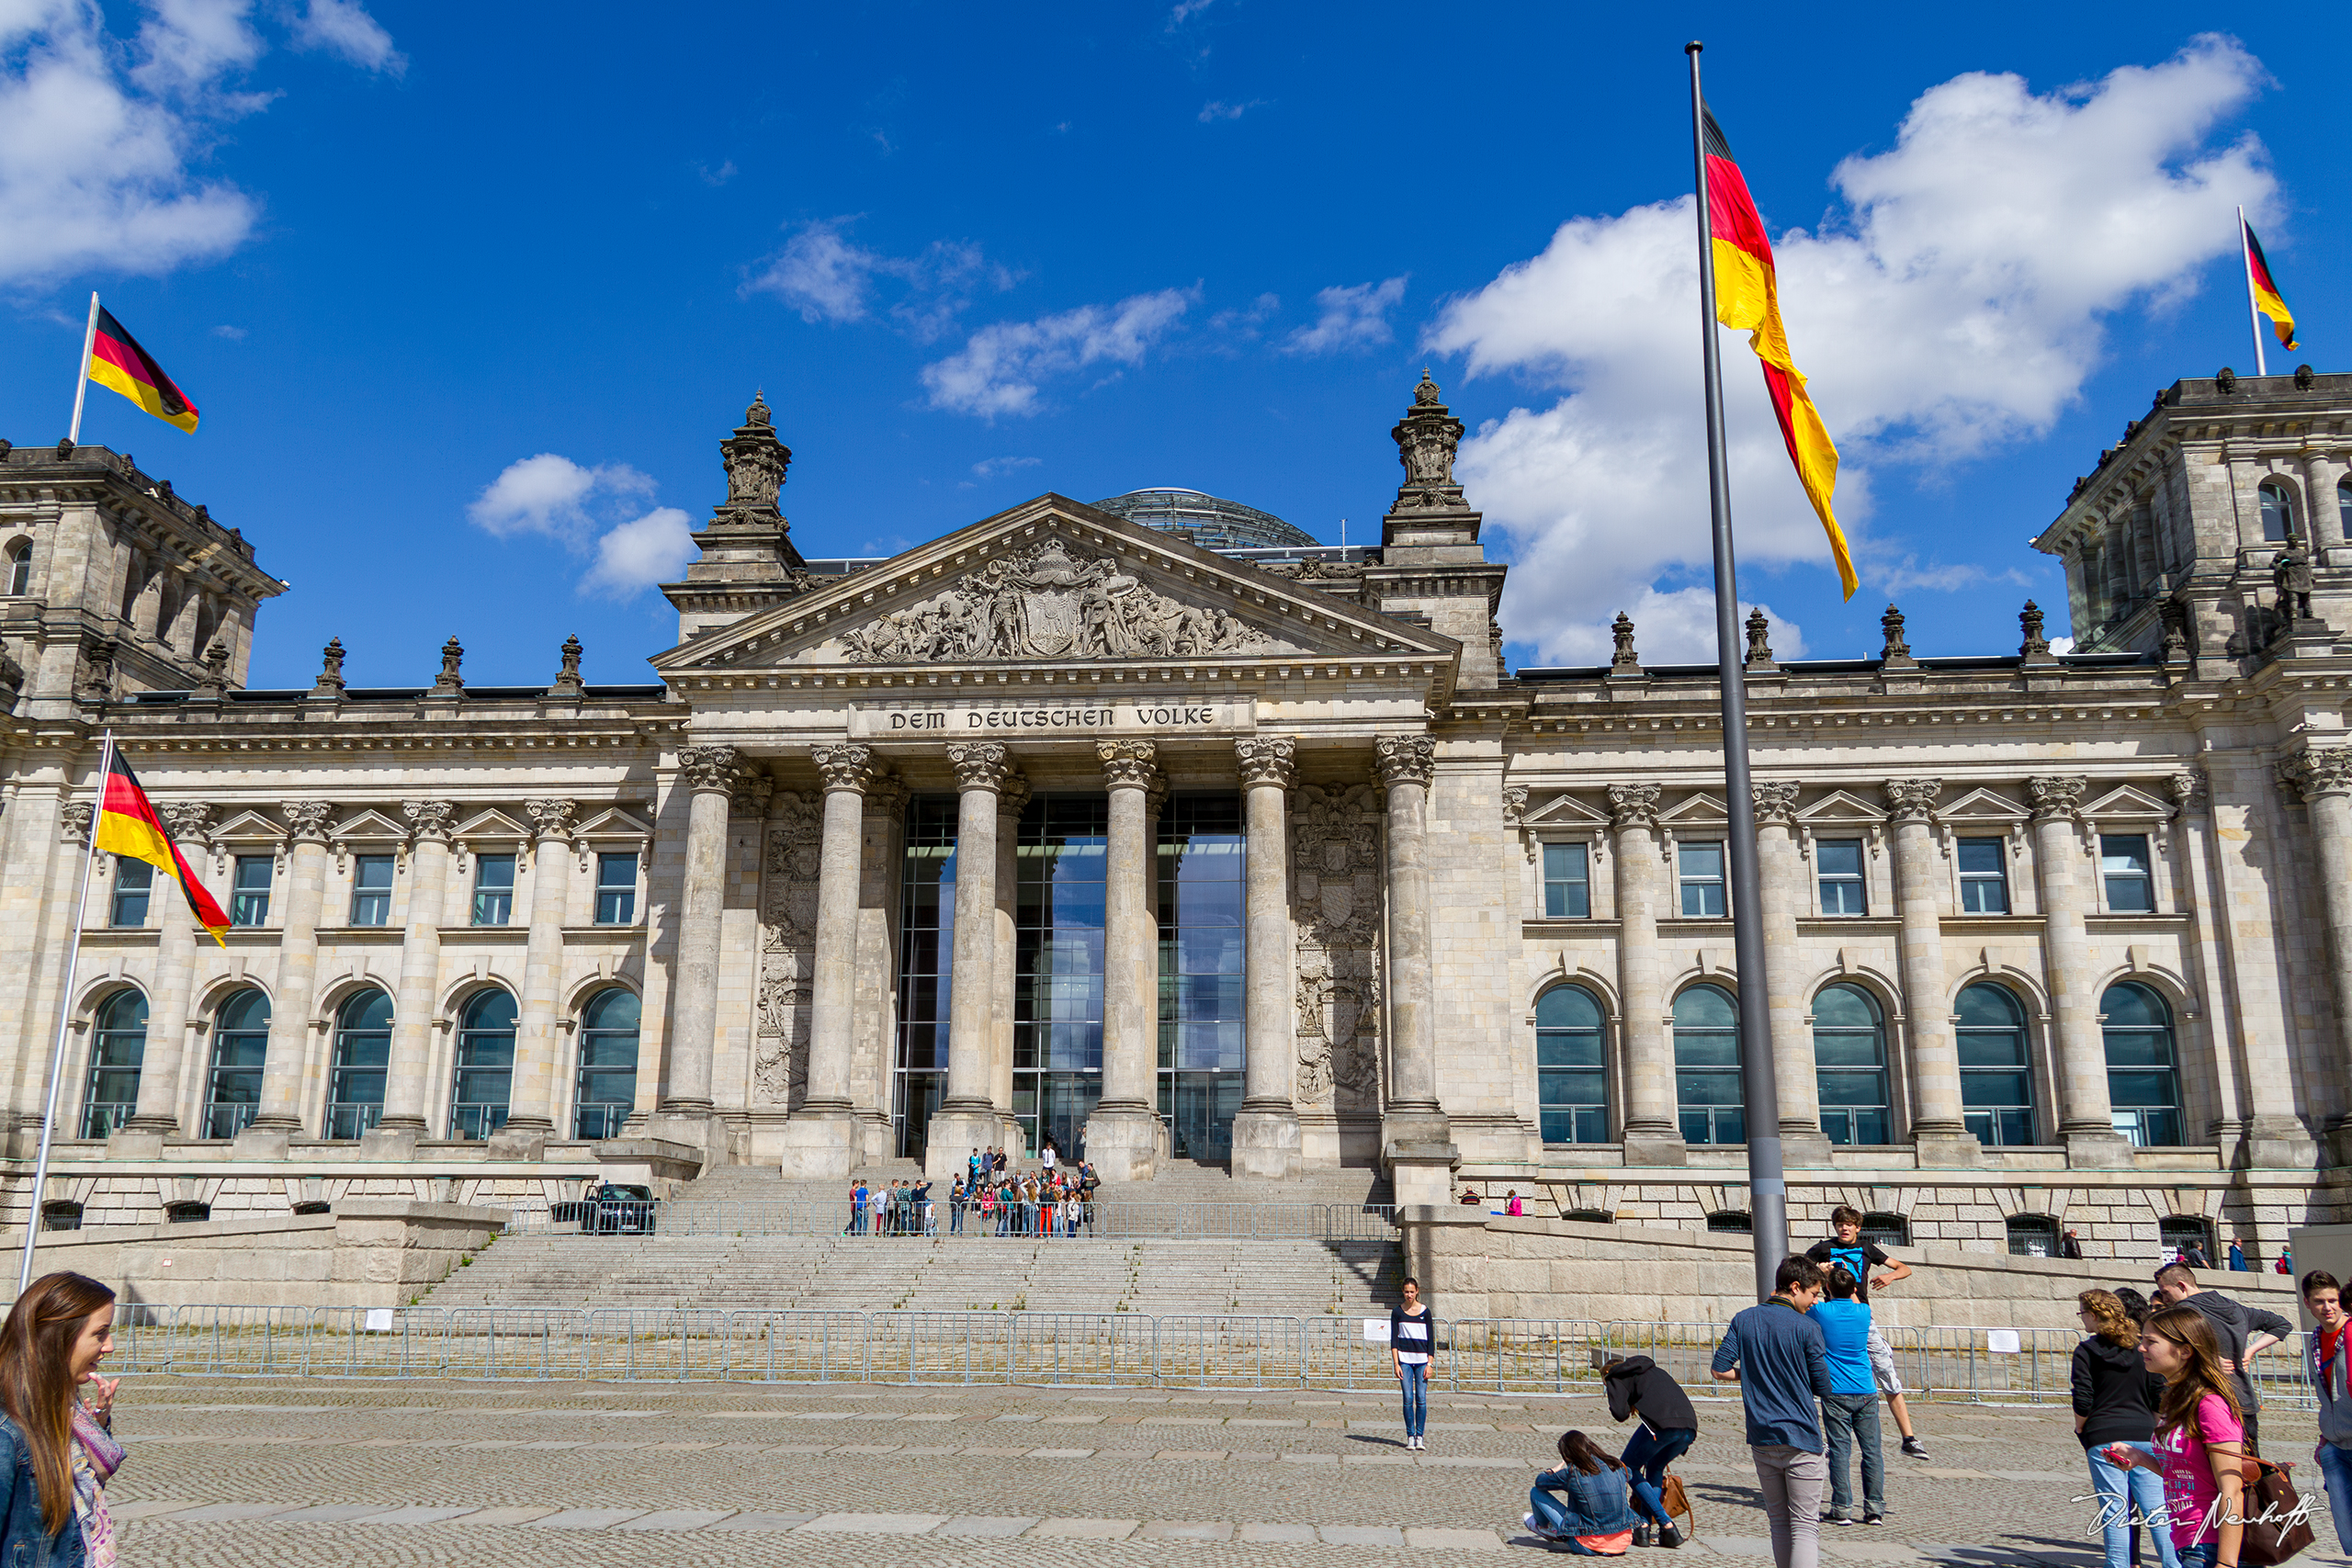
2115, 1401
1638, 1386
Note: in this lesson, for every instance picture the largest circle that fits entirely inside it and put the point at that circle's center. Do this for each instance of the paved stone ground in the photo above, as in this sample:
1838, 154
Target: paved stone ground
580, 1474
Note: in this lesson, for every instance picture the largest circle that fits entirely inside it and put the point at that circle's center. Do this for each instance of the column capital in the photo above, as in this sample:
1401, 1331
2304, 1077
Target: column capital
2187, 788
185, 818
979, 764
1266, 760
1632, 805
2056, 796
75, 818
2317, 772
306, 821
1013, 796
429, 819
708, 767
1912, 800
749, 789
1405, 758
848, 766
1127, 765
553, 819
886, 792
1776, 803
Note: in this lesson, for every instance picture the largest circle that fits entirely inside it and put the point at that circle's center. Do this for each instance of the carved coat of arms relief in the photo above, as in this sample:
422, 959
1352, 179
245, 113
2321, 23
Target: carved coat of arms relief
1337, 911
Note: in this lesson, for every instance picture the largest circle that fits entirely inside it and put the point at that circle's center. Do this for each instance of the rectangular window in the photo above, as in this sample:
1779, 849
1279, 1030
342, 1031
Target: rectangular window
1983, 877
1567, 883
2123, 865
493, 889
132, 881
249, 896
371, 890
1701, 869
616, 889
1840, 864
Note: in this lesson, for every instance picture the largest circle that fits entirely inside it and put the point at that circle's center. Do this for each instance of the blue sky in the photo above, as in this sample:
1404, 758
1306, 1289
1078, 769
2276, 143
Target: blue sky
468, 295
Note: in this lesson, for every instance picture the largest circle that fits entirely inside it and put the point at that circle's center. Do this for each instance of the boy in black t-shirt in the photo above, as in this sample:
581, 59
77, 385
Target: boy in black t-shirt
1858, 1257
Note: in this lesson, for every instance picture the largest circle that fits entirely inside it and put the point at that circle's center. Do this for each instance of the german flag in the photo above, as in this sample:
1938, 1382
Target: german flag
117, 362
127, 825
2267, 298
1747, 296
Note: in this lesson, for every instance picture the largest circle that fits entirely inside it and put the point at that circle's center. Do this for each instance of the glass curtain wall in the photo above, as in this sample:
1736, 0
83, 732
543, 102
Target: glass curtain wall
926, 950
1060, 885
1201, 885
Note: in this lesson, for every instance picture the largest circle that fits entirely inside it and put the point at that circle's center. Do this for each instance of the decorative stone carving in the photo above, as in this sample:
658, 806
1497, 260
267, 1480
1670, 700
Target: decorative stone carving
450, 683
12, 676
2035, 645
1127, 763
306, 820
2180, 632
755, 462
1759, 642
1775, 802
1012, 798
1912, 800
1632, 805
2056, 795
187, 821
1267, 760
2309, 773
429, 819
1514, 805
2291, 571
97, 673
845, 767
567, 676
1046, 603
2187, 790
748, 791
1427, 439
1405, 758
74, 816
789, 872
1336, 910
978, 764
330, 681
708, 767
553, 818
780, 1057
1624, 662
1895, 651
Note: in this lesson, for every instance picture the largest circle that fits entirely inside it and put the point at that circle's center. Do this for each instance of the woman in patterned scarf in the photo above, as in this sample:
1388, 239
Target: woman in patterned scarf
59, 1448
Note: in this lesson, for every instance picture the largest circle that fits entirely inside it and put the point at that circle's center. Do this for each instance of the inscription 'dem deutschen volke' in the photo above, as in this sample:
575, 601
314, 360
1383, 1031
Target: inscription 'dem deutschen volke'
1050, 718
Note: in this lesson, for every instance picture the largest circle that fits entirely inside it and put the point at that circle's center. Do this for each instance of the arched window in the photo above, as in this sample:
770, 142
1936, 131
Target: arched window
1572, 1087
61, 1215
1849, 1064
118, 1045
1590, 1216
2343, 508
1706, 1067
240, 1046
2277, 511
363, 1049
2175, 1234
485, 1071
606, 1090
20, 567
1731, 1221
2032, 1235
1886, 1230
1995, 1077
2142, 1076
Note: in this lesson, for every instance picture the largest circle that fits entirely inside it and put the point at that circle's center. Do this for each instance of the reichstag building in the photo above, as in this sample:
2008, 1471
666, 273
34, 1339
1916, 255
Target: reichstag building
1155, 828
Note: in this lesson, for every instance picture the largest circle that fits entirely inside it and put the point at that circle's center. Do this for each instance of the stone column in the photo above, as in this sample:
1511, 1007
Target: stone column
710, 772
1265, 1132
875, 1044
158, 1115
402, 1122
285, 1072
2323, 778
966, 1118
2087, 1122
1936, 1125
1415, 1137
820, 1141
1123, 1136
530, 1105
1653, 1129
1781, 886
1011, 801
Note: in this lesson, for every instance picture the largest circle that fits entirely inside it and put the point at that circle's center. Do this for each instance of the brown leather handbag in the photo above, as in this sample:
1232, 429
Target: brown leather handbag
2277, 1521
1675, 1503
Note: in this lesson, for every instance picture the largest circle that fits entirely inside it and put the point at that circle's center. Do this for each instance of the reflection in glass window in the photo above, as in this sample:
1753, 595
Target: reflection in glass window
1840, 864
1983, 877
606, 1088
1567, 882
363, 1049
117, 1046
1572, 1080
249, 892
493, 889
133, 881
240, 1045
1706, 1067
1702, 874
2123, 866
371, 890
2277, 513
1995, 1078
616, 889
1850, 1062
484, 1083
2142, 1076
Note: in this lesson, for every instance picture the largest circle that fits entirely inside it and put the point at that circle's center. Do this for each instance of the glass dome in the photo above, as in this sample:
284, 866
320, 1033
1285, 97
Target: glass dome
1215, 524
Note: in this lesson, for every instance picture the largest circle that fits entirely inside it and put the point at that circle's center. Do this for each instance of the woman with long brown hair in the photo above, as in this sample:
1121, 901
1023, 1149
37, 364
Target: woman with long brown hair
2115, 1401
58, 1448
2201, 1438
1583, 1506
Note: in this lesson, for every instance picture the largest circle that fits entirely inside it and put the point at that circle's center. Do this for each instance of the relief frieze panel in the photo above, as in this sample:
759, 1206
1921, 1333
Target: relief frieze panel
1336, 910
788, 866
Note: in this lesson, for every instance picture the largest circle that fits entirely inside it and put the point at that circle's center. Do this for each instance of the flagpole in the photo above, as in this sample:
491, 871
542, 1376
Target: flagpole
2253, 313
1767, 1190
64, 1016
82, 382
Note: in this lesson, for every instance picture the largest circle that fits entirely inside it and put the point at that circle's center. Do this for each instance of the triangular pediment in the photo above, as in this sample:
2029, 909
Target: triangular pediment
1981, 806
246, 827
1700, 810
1565, 811
2126, 804
369, 827
1839, 808
1053, 580
612, 823
491, 824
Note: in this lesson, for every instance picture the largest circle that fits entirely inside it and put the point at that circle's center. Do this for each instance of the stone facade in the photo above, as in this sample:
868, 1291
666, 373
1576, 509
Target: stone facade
2141, 849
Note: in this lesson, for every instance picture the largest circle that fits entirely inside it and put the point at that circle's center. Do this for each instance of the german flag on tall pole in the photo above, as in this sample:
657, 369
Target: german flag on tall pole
2262, 299
112, 357
1747, 296
127, 825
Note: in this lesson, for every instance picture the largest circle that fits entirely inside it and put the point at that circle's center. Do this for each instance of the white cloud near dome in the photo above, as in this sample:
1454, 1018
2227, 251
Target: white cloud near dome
634, 556
344, 28
1355, 316
1954, 304
581, 509
828, 277
999, 368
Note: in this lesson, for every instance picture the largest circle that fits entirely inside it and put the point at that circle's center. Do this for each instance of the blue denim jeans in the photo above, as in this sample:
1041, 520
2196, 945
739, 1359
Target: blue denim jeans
1414, 1376
1648, 1456
1545, 1506
1845, 1416
2122, 1499
2201, 1555
2336, 1474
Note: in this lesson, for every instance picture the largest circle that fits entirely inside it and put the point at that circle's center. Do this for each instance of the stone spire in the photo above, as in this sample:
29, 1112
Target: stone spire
755, 463
748, 560
1427, 439
1431, 563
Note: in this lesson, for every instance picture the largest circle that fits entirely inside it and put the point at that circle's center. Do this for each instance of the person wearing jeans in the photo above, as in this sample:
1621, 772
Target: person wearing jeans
1777, 1355
1638, 1386
2115, 1401
1412, 1340
1851, 1409
2327, 1355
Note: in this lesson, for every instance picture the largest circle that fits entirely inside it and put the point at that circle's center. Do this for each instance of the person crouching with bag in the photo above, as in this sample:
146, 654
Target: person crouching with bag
1584, 1506
2201, 1438
59, 1451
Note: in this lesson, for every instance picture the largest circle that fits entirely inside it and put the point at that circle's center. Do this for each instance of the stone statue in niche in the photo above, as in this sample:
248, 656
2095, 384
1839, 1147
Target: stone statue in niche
2290, 569
1046, 604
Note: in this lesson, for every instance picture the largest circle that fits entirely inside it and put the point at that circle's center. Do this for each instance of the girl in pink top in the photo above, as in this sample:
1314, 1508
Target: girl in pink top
2201, 1438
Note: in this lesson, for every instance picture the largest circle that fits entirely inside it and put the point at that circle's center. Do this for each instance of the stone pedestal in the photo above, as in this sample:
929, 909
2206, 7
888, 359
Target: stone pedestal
1644, 1146
381, 1142
257, 1142
134, 1142
2088, 1149
1422, 1174
692, 1127
1124, 1145
520, 1141
823, 1146
1948, 1151
2273, 1142
1267, 1144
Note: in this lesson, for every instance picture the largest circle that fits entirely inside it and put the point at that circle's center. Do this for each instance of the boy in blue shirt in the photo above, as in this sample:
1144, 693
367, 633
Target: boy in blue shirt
1776, 1354
1851, 1405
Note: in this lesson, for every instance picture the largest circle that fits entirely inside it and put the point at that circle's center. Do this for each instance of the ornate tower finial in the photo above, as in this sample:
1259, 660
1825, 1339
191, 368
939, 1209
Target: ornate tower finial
1759, 641
2035, 647
567, 680
1896, 654
330, 683
450, 685
1426, 440
1621, 633
755, 463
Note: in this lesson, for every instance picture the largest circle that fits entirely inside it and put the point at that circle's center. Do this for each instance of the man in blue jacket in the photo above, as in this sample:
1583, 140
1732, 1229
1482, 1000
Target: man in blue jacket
1777, 1355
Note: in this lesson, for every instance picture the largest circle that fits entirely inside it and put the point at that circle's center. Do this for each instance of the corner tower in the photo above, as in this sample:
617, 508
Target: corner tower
1432, 568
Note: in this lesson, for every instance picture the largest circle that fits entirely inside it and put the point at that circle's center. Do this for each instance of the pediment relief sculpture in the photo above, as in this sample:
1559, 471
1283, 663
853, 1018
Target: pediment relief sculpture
1048, 604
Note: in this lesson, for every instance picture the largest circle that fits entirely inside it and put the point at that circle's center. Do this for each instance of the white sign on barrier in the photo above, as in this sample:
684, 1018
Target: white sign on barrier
379, 1321
2001, 1341
1375, 1330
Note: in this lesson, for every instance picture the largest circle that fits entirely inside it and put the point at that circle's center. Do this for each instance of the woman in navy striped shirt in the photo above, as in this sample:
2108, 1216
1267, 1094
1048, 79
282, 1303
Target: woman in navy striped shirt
1412, 1339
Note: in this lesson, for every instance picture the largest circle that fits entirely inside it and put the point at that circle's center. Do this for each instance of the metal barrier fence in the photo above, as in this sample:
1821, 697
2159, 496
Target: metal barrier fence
1521, 1356
1106, 1219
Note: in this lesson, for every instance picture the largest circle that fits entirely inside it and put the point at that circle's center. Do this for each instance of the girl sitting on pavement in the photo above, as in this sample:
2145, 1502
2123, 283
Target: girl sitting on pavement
1583, 1506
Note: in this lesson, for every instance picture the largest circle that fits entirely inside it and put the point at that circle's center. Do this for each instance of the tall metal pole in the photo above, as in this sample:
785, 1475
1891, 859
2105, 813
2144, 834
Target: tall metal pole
2252, 315
64, 1016
82, 382
1768, 1189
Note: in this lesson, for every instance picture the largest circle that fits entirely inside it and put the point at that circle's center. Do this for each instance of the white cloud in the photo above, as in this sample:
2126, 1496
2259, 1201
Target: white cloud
190, 45
718, 176
1216, 111
638, 554
989, 468
1352, 317
235, 334
1184, 10
551, 495
1954, 305
2062, 644
828, 277
1000, 366
344, 28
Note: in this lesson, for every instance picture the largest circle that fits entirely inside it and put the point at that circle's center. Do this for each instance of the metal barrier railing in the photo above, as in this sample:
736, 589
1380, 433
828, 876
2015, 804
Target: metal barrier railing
1510, 1356
1110, 1219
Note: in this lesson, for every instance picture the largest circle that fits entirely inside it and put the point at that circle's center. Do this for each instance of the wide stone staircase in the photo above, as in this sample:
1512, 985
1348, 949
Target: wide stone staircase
746, 1267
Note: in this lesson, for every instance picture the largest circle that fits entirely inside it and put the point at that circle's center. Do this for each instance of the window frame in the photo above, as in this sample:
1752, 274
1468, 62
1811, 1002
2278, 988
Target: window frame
2177, 1223
1886, 1105
1568, 885
117, 894
2262, 495
2145, 1121
2146, 875
2021, 1230
482, 892
1685, 884
602, 889
243, 908
343, 1111
20, 570
359, 889
1709, 1109
2024, 1067
1583, 1115
470, 1033
1859, 881
106, 1030
591, 1032
238, 1113
1999, 879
